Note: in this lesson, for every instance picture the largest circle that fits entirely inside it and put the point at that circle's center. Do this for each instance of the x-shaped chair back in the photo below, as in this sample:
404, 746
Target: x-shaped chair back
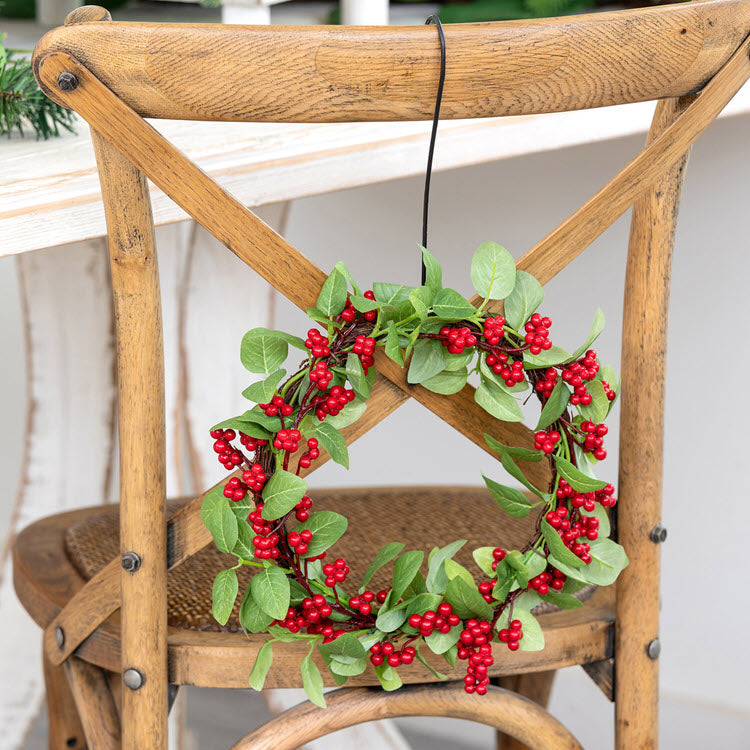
693, 58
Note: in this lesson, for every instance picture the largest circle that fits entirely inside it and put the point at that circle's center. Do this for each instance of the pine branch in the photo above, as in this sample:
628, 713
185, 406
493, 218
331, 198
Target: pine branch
22, 103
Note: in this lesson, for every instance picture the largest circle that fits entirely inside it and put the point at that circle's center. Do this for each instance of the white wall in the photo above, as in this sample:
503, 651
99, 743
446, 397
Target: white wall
375, 229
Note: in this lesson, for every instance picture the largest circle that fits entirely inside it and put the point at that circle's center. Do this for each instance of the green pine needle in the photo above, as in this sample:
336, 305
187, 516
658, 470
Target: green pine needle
22, 103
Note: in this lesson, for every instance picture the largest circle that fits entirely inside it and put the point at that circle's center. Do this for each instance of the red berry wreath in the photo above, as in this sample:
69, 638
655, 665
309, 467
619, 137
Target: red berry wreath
264, 516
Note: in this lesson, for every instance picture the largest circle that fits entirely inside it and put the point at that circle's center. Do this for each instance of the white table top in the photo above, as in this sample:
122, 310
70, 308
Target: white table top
49, 191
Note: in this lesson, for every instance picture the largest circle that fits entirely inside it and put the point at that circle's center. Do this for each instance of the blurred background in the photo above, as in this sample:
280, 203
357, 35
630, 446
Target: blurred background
513, 193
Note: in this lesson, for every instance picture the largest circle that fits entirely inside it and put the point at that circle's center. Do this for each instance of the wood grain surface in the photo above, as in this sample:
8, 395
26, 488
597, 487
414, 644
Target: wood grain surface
333, 74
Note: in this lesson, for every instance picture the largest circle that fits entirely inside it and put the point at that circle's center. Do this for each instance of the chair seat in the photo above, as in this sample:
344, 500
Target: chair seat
54, 557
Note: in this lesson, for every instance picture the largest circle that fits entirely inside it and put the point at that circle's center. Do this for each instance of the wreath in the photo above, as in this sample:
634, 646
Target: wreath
264, 516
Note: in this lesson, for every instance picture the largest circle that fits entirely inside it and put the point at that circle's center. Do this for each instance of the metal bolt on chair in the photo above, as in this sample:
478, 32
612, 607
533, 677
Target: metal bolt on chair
124, 597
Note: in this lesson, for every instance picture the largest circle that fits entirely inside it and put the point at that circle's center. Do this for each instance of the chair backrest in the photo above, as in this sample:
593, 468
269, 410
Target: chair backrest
115, 74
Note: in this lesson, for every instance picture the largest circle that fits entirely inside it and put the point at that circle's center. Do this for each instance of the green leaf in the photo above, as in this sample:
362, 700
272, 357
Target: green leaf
391, 295
392, 348
218, 518
535, 563
341, 267
437, 579
576, 478
512, 468
244, 547
248, 426
428, 360
262, 664
388, 677
281, 493
346, 646
446, 383
385, 554
270, 588
242, 508
483, 558
458, 362
420, 603
421, 299
450, 656
439, 642
515, 562
252, 617
262, 391
363, 304
224, 594
526, 296
392, 619
497, 402
453, 569
564, 601
312, 682
327, 528
333, 442
434, 276
597, 326
466, 600
346, 668
263, 352
609, 559
493, 271
598, 409
348, 415
404, 570
558, 549
555, 355
512, 501
452, 306
415, 588
356, 376
555, 406
410, 342
524, 454
332, 297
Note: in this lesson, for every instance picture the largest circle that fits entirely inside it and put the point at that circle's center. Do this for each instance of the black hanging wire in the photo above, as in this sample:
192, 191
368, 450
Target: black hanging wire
435, 119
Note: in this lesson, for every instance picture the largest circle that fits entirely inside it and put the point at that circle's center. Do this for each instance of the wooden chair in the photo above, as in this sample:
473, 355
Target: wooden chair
102, 603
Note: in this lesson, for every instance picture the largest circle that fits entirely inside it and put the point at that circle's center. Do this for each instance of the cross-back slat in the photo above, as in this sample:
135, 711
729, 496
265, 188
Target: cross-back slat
277, 261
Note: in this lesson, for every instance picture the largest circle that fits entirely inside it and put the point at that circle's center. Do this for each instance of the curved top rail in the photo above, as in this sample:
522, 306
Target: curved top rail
338, 73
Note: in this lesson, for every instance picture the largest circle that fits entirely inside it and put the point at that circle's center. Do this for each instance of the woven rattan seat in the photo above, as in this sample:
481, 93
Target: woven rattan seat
436, 516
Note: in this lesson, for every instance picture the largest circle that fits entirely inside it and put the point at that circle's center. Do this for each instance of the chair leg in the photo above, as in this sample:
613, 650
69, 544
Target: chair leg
536, 686
65, 730
95, 704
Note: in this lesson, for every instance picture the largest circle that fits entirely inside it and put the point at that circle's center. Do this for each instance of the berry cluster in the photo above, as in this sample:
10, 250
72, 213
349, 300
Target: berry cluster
277, 406
546, 440
335, 572
255, 478
571, 531
586, 500
485, 589
546, 385
287, 440
312, 618
442, 620
252, 444
512, 635
302, 508
235, 489
370, 315
537, 333
380, 652
609, 393
498, 555
492, 330
457, 339
474, 647
317, 343
577, 373
229, 457
541, 583
334, 402
267, 540
310, 454
364, 348
593, 441
321, 376
300, 542
362, 603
